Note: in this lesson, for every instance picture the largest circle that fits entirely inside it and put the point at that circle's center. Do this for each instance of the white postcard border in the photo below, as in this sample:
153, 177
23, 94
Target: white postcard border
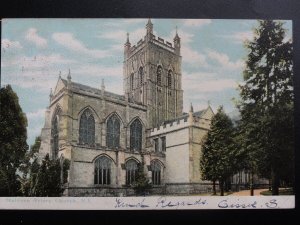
148, 203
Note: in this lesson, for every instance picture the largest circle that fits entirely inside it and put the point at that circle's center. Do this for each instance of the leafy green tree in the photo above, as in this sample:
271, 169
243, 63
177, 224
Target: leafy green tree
142, 183
266, 104
218, 161
45, 178
13, 146
29, 168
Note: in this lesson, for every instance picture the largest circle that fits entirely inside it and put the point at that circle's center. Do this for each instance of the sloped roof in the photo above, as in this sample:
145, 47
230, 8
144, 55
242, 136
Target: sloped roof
185, 116
81, 87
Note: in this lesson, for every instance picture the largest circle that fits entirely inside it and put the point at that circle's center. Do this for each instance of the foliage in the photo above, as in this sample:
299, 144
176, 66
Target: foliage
142, 183
218, 161
266, 106
43, 179
13, 146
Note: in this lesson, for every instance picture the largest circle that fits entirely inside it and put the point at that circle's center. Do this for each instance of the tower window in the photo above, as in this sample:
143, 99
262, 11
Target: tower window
87, 128
113, 132
102, 171
158, 75
55, 134
141, 74
169, 79
136, 130
131, 81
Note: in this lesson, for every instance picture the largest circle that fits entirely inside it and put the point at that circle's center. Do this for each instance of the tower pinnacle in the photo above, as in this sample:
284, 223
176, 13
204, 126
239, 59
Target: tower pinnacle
69, 76
127, 40
149, 27
191, 108
176, 41
102, 86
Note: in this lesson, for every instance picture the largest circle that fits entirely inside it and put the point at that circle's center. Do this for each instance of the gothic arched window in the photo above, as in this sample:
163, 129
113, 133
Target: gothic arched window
156, 173
158, 75
141, 74
55, 134
169, 79
136, 130
131, 81
113, 132
131, 171
87, 128
103, 171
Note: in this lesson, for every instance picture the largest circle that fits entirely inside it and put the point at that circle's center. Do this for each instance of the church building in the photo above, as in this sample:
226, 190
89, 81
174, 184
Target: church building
107, 136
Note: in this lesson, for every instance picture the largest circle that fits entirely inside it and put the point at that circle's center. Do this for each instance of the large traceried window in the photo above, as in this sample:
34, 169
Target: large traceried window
156, 173
158, 75
131, 171
55, 134
87, 128
170, 79
103, 171
136, 130
141, 75
113, 132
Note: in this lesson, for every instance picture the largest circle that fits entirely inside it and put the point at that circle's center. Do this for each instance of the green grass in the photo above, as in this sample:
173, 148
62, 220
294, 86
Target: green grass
285, 191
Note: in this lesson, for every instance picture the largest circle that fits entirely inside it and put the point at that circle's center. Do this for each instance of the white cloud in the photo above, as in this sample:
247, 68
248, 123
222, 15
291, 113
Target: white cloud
33, 131
224, 60
196, 22
185, 37
240, 37
32, 36
198, 76
70, 42
119, 36
40, 113
37, 80
8, 44
193, 57
37, 62
100, 71
211, 85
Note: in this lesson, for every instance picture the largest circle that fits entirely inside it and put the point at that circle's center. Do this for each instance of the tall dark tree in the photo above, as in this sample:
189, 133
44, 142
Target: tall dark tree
267, 104
142, 183
44, 177
218, 151
29, 168
13, 146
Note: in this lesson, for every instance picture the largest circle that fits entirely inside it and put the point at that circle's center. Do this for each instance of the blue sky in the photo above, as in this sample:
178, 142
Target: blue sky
33, 51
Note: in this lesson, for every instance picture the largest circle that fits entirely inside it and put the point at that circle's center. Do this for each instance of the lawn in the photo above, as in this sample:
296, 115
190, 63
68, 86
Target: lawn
282, 191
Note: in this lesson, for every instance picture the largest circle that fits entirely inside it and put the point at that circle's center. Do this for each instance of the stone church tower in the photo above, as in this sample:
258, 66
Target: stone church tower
152, 76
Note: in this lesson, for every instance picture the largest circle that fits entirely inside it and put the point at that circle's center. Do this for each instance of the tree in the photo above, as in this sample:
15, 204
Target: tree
13, 146
218, 151
46, 178
266, 104
142, 183
29, 168
43, 179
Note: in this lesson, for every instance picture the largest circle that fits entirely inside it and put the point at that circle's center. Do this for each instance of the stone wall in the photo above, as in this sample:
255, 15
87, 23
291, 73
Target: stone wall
189, 188
167, 189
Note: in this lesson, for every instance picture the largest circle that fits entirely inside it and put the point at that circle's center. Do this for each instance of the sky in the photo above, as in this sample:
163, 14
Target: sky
34, 51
